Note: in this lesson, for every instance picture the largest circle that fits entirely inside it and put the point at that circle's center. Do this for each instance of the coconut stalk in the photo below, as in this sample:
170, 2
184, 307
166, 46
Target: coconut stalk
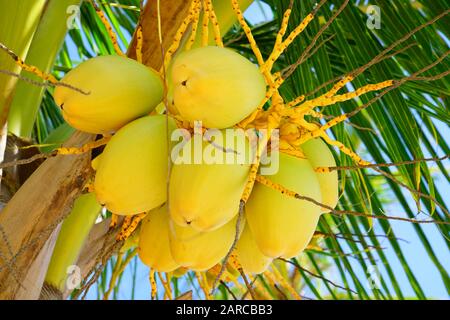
225, 17
71, 238
47, 42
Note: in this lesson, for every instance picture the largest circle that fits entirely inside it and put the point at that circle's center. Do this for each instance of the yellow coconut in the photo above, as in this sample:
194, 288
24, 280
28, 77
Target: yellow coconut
119, 91
216, 85
132, 171
249, 256
205, 195
200, 251
319, 155
154, 249
283, 226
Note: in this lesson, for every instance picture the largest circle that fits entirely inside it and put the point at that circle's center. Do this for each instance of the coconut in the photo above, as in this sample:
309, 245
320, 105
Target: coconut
205, 195
200, 251
281, 225
216, 86
319, 155
154, 249
118, 90
248, 254
132, 171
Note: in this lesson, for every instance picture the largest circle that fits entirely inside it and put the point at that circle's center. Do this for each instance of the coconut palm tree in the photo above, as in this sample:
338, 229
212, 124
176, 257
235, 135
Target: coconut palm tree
360, 250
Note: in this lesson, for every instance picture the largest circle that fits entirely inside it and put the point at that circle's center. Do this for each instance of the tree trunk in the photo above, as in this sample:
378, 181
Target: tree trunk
29, 220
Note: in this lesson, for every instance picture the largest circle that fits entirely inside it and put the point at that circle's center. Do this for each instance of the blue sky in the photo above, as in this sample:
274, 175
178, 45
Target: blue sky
414, 252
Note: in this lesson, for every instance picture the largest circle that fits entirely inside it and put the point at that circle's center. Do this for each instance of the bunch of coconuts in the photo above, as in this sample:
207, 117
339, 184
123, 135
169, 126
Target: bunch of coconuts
195, 226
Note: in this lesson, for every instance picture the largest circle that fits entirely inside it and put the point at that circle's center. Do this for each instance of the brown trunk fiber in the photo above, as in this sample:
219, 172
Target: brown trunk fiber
173, 13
